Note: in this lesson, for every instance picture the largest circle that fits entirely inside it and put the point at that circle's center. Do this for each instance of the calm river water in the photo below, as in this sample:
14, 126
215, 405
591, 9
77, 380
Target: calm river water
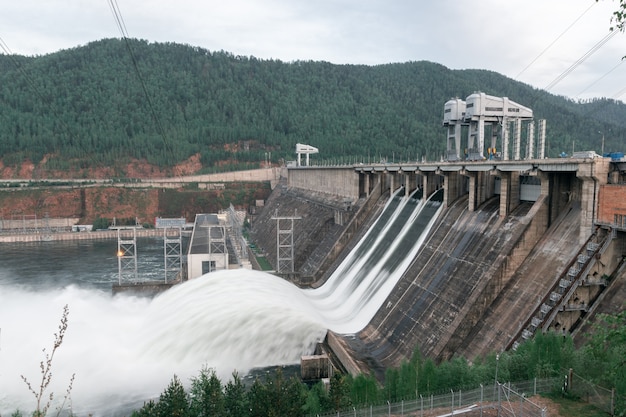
87, 264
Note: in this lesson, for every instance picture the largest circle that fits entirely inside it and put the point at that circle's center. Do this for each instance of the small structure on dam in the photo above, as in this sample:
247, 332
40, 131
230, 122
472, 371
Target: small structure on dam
307, 150
207, 249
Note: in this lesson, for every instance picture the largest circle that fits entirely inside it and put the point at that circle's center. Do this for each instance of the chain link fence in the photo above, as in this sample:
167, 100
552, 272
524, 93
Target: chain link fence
502, 400
600, 397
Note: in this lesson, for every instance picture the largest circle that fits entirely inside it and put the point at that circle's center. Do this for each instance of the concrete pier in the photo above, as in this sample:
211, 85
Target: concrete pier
68, 236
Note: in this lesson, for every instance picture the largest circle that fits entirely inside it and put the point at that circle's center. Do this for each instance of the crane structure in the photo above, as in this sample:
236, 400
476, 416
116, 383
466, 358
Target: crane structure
500, 114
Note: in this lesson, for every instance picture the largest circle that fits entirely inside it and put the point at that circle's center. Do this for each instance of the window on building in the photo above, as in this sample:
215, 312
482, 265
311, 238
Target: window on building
208, 266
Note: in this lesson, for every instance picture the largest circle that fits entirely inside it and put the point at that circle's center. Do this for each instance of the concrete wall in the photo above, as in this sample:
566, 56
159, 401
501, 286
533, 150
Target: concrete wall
337, 181
612, 201
195, 261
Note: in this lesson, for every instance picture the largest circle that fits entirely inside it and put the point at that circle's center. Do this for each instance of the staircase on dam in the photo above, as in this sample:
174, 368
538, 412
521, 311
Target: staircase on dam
560, 295
524, 291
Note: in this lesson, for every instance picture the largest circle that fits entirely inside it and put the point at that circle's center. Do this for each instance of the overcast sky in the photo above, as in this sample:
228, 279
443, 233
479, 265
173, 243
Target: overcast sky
506, 36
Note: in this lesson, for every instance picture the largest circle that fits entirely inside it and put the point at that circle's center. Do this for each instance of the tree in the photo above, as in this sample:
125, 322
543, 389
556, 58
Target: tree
149, 409
277, 397
605, 354
619, 16
174, 401
318, 400
207, 398
235, 400
339, 393
44, 400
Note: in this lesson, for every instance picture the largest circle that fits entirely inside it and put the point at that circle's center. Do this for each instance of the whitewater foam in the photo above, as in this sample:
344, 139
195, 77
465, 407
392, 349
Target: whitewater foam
124, 350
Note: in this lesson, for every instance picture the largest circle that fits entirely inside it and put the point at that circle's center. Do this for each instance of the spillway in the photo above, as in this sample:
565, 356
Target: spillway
444, 287
124, 349
362, 282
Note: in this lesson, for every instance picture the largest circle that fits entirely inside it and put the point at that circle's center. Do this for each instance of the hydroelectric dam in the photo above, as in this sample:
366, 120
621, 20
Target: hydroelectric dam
456, 257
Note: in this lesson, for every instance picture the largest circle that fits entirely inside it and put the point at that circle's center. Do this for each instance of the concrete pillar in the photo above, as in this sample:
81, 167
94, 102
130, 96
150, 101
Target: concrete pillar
514, 190
451, 185
411, 182
505, 191
509, 192
430, 181
592, 174
473, 200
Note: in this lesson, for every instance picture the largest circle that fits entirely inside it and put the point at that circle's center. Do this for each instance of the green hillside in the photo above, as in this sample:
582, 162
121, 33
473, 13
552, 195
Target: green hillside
109, 101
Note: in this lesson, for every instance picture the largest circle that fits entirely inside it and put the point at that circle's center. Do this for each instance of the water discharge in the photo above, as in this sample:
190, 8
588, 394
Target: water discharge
126, 349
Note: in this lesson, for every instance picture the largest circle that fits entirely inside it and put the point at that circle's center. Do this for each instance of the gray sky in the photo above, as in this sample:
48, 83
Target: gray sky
505, 36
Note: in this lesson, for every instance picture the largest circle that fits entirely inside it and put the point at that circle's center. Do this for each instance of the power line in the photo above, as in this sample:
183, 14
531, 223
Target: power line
122, 27
580, 60
619, 93
600, 79
554, 41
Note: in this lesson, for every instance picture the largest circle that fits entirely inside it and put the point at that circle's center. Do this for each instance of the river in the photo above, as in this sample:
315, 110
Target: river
126, 349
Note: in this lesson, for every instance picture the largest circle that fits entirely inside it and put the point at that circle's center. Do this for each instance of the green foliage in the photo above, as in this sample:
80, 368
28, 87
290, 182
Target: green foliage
600, 361
618, 20
277, 397
174, 401
149, 409
604, 356
338, 396
100, 223
235, 399
85, 107
364, 390
207, 397
317, 400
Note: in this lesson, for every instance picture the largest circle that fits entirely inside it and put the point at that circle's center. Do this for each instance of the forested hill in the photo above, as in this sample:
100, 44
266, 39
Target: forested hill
100, 105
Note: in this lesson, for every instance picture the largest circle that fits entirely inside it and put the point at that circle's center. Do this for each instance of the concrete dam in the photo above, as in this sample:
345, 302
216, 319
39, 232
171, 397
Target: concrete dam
517, 247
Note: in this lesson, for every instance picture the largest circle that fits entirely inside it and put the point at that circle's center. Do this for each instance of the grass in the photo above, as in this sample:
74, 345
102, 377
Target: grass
264, 263
573, 407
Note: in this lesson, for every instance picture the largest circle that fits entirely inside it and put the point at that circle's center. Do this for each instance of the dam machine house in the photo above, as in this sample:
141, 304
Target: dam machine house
499, 118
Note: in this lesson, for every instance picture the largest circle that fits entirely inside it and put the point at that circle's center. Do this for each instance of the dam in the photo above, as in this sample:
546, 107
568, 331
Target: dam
515, 247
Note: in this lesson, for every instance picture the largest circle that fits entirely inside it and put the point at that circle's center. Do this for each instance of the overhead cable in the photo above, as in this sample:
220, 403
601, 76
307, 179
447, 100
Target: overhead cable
554, 41
599, 79
580, 60
122, 27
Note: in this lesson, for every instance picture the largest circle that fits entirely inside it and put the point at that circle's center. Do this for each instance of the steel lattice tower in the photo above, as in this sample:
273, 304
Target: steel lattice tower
127, 255
284, 242
173, 252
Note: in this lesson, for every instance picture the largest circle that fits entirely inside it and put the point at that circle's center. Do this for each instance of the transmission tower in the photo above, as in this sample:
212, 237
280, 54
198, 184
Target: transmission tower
284, 242
172, 247
127, 255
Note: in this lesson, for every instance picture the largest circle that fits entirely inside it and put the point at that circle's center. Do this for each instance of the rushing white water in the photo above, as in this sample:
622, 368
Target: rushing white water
125, 349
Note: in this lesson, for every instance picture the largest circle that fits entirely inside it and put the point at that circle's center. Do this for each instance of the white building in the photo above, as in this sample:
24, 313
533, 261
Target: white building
207, 248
